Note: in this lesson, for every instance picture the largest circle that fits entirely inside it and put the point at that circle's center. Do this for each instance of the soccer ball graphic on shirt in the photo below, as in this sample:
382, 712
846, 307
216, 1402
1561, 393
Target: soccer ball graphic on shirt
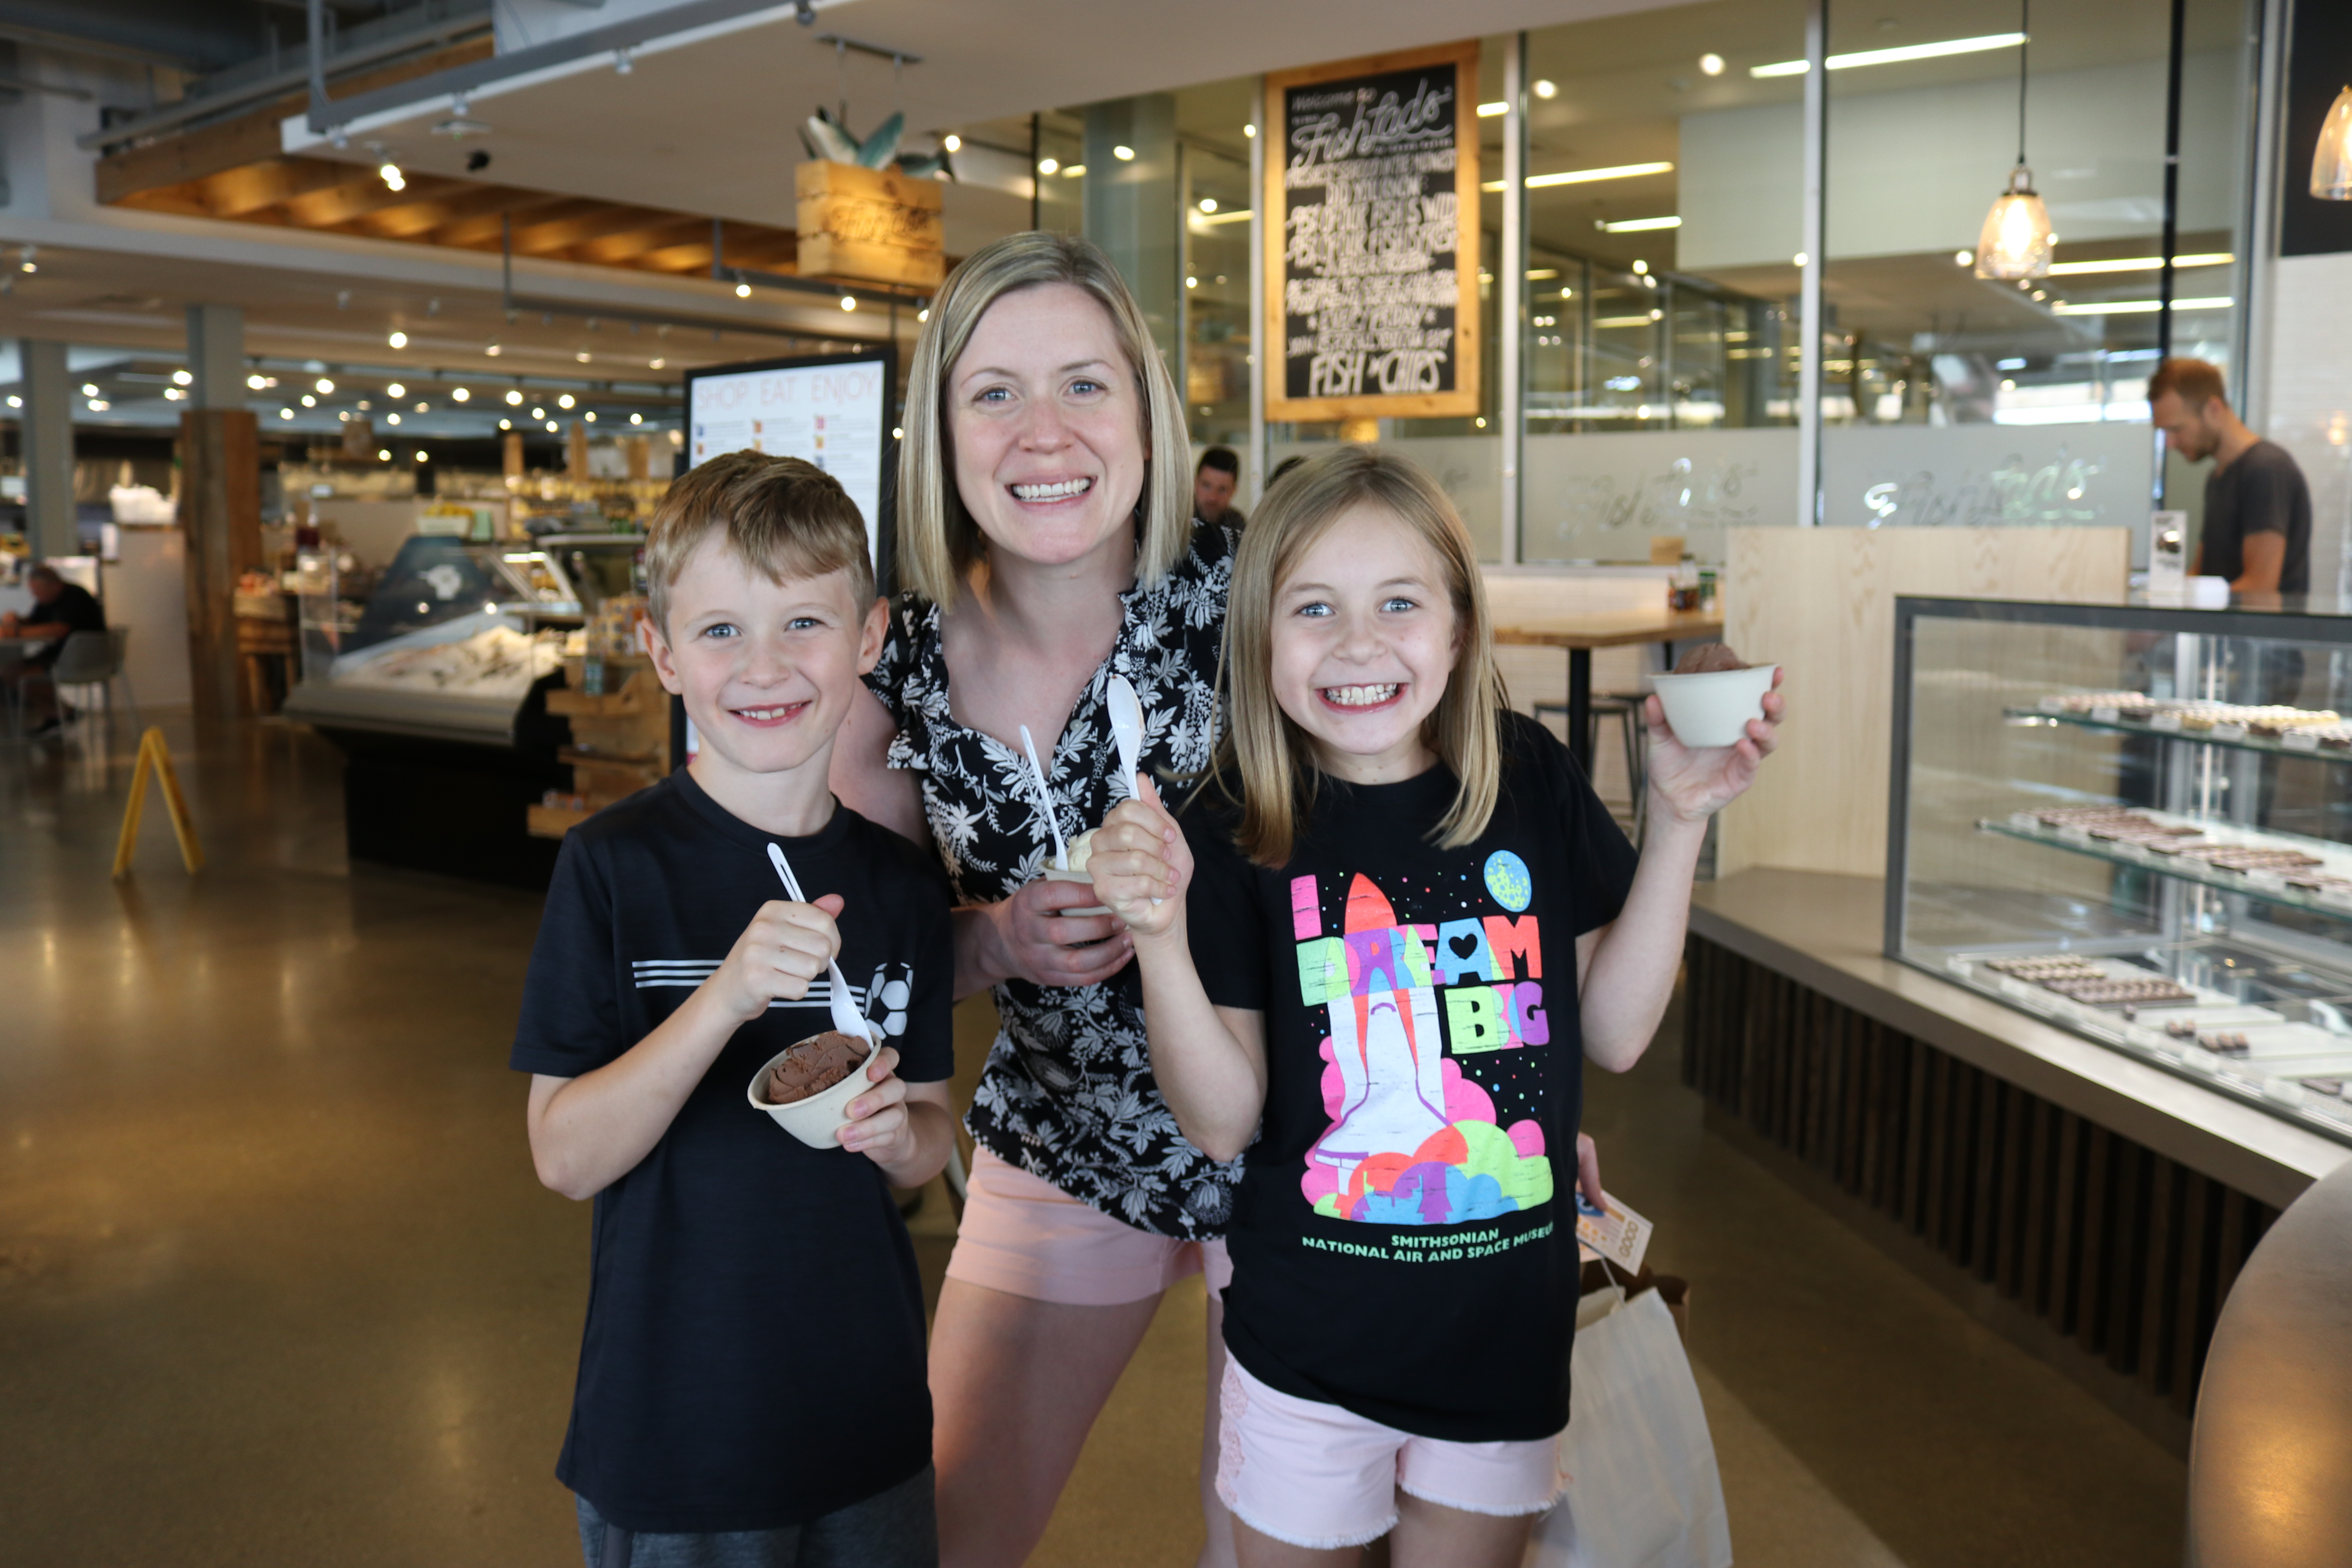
887, 995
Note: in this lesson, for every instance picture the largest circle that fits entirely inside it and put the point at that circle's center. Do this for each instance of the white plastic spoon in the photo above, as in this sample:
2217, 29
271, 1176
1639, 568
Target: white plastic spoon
1046, 802
845, 1017
1126, 730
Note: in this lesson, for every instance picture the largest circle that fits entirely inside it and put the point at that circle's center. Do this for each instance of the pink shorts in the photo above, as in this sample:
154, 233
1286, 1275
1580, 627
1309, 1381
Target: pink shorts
1025, 1237
1318, 1476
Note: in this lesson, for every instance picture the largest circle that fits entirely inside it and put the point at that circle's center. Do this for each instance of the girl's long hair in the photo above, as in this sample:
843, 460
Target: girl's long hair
1267, 758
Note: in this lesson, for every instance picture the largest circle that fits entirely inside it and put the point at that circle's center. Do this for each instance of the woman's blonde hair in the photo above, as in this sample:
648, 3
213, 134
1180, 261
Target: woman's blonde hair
937, 540
1267, 754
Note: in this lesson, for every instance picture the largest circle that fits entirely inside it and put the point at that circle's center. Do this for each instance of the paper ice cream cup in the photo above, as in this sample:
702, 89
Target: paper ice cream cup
817, 1120
1713, 708
1055, 874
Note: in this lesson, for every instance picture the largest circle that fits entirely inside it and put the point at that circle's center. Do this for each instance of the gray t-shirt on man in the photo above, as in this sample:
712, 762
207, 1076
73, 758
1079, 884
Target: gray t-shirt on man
2261, 492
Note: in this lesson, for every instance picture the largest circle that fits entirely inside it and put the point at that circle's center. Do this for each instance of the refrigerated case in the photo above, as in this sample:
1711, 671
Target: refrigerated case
434, 690
2134, 822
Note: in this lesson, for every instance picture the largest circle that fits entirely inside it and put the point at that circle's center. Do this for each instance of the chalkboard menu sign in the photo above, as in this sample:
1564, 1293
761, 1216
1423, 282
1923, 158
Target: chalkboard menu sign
1372, 238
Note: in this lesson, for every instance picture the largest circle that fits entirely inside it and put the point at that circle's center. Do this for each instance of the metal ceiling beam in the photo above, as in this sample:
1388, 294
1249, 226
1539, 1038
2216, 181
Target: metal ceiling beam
631, 34
279, 84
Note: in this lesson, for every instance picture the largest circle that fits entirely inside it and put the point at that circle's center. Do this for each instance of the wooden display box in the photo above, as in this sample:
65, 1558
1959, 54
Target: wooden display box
873, 226
620, 738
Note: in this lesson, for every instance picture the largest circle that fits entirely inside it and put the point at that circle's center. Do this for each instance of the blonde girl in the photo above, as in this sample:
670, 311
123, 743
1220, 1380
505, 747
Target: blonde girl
1376, 952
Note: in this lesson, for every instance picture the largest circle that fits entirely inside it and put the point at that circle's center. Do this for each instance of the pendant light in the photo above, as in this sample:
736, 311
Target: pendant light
2331, 161
2016, 242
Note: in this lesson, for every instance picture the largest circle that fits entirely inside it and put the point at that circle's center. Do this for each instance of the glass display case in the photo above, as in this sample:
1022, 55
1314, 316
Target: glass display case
2135, 821
455, 634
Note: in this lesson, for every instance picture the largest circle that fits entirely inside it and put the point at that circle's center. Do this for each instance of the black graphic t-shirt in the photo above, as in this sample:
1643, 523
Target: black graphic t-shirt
1397, 1247
753, 1355
1068, 1094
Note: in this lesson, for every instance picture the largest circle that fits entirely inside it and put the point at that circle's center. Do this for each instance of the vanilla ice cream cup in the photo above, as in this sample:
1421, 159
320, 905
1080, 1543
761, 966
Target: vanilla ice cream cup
1713, 708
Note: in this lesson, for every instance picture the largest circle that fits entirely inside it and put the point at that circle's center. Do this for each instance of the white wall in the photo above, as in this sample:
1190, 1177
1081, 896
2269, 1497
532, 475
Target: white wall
1984, 476
1913, 172
147, 591
2309, 408
1601, 497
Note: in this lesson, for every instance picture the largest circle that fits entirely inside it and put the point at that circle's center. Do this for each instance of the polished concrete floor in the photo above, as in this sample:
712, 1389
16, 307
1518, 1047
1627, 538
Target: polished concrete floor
277, 1286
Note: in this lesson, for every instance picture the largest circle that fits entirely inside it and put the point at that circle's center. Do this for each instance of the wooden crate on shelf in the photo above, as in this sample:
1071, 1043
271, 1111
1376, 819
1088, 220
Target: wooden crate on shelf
620, 740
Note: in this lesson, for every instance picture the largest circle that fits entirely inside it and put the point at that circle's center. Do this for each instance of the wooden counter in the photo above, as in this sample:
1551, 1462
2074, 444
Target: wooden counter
2094, 1208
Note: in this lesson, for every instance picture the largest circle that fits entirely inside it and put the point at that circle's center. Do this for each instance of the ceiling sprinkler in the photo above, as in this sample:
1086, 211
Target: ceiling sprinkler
460, 125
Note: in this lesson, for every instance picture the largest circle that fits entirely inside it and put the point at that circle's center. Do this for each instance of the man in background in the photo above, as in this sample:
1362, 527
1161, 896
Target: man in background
59, 609
2257, 528
1213, 483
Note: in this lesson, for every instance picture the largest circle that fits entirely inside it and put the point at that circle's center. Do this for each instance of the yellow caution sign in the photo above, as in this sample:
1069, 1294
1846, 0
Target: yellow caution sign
152, 750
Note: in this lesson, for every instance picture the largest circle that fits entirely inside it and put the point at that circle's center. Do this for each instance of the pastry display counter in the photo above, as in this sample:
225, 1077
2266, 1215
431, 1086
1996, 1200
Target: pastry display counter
2135, 821
2074, 1054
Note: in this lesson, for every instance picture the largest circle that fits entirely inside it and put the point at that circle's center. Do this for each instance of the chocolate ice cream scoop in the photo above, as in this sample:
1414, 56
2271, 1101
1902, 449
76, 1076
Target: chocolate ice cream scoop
1708, 657
814, 1066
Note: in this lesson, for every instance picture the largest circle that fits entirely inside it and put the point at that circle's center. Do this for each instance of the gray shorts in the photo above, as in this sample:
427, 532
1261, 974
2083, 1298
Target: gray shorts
896, 1529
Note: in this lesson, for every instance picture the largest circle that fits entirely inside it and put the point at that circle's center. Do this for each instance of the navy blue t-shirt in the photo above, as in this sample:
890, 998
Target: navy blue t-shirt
1404, 1240
754, 1349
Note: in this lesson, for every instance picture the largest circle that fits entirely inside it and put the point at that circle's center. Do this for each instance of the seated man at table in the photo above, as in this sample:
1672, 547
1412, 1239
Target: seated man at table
59, 609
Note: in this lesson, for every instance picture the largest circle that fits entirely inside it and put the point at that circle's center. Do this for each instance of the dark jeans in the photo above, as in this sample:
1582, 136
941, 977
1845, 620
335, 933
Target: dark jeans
896, 1529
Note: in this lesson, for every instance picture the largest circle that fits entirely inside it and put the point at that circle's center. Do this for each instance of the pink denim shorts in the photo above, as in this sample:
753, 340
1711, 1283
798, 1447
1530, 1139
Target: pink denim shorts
1025, 1237
1318, 1476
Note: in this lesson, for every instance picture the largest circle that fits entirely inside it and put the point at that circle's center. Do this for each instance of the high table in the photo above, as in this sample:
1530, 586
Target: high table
1579, 632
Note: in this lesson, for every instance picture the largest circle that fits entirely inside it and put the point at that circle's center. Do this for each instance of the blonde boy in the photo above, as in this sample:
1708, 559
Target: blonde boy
753, 1367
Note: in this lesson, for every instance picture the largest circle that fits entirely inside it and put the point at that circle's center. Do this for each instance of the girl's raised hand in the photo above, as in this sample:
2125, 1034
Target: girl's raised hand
1690, 786
1141, 865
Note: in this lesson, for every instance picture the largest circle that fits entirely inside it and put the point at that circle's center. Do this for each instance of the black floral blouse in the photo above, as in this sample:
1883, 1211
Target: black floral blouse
1068, 1093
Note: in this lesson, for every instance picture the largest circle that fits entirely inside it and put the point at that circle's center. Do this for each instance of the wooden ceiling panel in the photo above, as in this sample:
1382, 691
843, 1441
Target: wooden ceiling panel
322, 193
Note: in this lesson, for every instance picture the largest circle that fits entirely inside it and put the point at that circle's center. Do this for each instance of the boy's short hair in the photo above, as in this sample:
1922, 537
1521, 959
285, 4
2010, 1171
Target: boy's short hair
1222, 458
783, 517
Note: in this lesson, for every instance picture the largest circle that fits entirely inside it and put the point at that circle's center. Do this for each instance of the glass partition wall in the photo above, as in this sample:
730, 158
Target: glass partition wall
1949, 396
1663, 246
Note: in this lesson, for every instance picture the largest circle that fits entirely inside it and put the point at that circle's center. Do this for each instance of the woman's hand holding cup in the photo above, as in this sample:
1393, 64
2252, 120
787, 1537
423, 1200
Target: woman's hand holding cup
1036, 941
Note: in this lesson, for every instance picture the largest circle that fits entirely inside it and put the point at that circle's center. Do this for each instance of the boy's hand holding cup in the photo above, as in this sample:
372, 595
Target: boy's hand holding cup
1141, 865
878, 1127
785, 947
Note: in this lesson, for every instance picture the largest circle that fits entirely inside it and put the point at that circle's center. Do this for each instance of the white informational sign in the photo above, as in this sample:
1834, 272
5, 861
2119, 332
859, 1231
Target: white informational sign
834, 412
1616, 1233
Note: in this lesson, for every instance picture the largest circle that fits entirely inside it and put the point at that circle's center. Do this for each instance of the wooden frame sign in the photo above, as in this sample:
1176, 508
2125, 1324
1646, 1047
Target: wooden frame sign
1372, 238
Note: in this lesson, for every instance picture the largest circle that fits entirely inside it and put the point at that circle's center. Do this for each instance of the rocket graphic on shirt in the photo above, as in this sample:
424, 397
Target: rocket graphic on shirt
1412, 1140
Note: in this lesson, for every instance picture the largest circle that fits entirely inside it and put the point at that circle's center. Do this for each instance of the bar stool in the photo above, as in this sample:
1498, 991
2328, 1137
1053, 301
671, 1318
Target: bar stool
1625, 707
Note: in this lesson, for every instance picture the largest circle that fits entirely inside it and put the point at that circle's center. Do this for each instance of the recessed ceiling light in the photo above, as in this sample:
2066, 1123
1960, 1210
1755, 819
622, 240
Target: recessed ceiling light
398, 339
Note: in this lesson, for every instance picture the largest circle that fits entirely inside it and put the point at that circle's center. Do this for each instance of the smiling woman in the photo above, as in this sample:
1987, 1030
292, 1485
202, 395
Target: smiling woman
1044, 522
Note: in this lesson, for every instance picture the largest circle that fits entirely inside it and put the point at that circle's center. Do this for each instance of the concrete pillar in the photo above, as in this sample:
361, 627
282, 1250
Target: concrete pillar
220, 513
216, 356
48, 451
1131, 204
